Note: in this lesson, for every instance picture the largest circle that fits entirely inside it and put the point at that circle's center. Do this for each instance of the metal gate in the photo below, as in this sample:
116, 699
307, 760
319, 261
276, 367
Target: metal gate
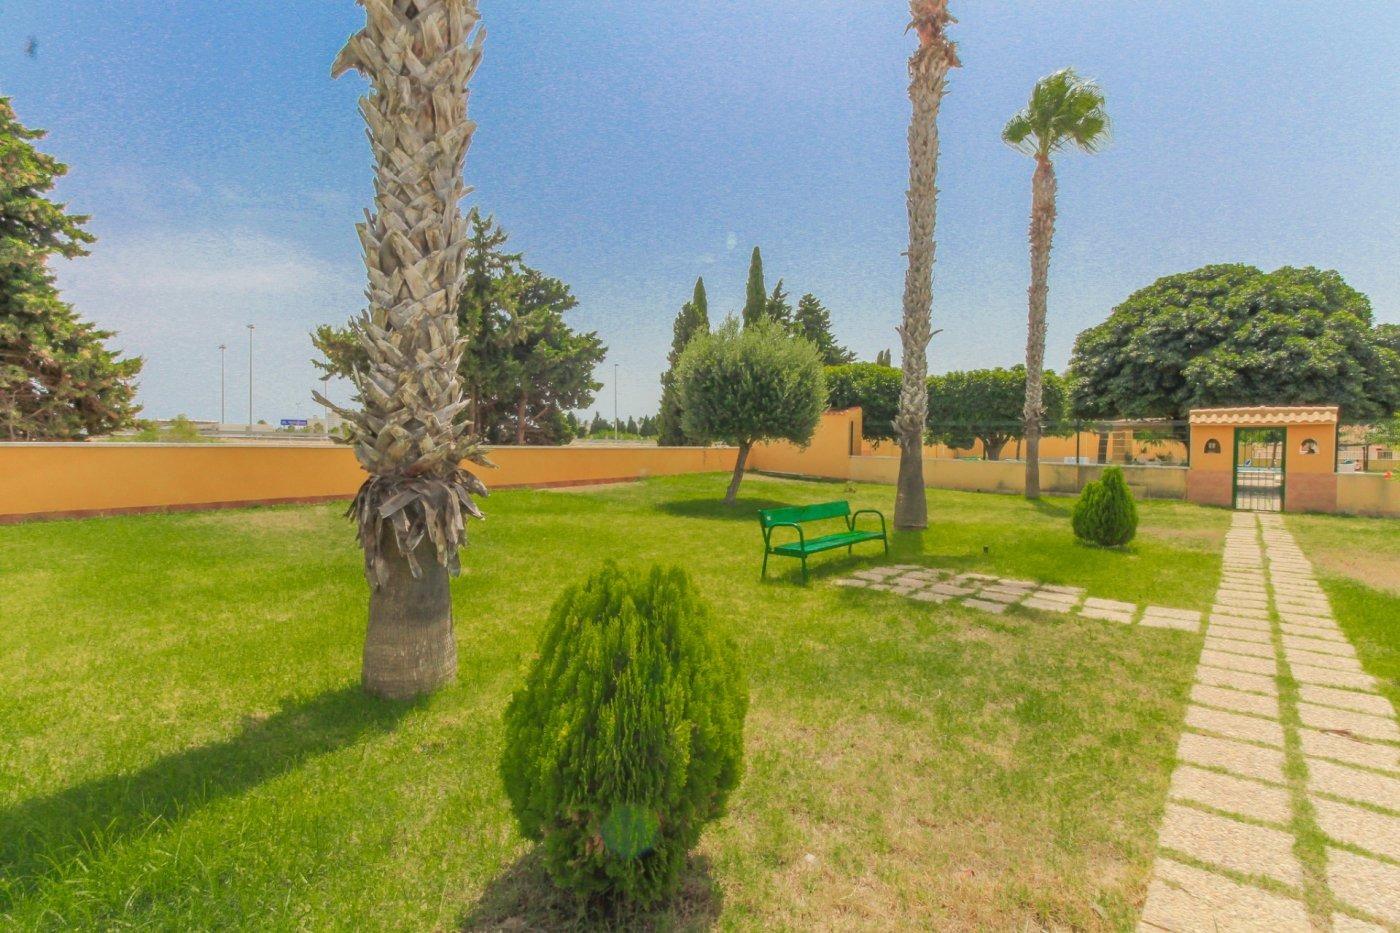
1260, 457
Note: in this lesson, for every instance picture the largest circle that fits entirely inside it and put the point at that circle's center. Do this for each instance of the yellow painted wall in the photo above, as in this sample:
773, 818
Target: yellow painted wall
38, 479
1368, 494
1010, 476
838, 435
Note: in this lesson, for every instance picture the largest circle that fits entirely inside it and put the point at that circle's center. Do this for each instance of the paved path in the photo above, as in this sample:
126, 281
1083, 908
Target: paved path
1284, 809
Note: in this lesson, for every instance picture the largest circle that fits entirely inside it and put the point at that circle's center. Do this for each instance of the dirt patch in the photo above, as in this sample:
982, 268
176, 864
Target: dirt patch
1378, 571
288, 518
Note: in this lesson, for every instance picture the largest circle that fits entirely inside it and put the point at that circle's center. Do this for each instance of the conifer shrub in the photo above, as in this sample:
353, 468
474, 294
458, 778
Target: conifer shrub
627, 735
1105, 513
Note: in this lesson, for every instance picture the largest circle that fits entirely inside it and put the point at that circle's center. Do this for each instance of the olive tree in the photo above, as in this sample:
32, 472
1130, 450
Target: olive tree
750, 384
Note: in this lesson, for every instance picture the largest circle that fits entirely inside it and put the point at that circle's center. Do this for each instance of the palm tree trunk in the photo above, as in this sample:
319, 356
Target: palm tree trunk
928, 69
409, 645
734, 480
1041, 233
520, 405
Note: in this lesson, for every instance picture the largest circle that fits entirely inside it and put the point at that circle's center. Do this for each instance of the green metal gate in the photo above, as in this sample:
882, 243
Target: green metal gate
1260, 459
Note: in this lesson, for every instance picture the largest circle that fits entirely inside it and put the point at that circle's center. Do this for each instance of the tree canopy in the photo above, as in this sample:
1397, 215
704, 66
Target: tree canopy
871, 386
752, 384
694, 318
812, 322
1226, 335
525, 367
986, 405
58, 378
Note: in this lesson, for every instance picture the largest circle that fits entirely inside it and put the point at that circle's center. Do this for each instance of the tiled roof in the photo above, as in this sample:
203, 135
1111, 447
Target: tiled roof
1266, 415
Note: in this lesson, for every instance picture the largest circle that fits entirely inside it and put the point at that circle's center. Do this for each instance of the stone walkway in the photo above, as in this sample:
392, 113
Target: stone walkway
994, 594
1284, 809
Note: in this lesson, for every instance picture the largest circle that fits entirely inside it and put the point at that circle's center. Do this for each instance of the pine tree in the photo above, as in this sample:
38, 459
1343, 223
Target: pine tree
756, 297
778, 308
58, 379
813, 322
694, 318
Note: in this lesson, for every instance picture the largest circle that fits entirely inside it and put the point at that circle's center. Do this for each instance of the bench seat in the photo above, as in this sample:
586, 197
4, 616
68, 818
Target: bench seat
827, 542
790, 520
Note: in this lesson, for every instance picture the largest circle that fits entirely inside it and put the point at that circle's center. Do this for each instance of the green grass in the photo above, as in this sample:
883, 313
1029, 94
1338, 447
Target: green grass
185, 745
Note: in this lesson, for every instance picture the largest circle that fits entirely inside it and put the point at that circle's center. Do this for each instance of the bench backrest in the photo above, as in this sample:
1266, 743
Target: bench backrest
804, 513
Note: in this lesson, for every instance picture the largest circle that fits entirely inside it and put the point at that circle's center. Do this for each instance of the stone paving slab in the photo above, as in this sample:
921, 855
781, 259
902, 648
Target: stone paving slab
1350, 750
1093, 602
1365, 883
1237, 680
950, 589
1372, 703
1060, 588
1224, 629
1250, 760
984, 605
1331, 677
1307, 618
1362, 724
1252, 648
1318, 659
1232, 794
929, 596
1235, 701
1046, 605
1108, 615
1320, 645
1239, 662
1354, 784
1365, 829
1240, 612
1341, 923
999, 596
1312, 631
1183, 899
1241, 847
1047, 594
1234, 621
1235, 726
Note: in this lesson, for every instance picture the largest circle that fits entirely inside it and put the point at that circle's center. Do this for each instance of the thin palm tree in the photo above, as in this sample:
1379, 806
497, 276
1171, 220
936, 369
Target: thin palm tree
1064, 110
928, 71
411, 435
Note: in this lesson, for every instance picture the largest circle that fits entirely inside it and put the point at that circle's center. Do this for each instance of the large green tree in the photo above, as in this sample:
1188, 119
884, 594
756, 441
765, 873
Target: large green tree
745, 385
523, 366
986, 405
872, 387
928, 72
1227, 335
58, 378
1064, 110
812, 322
694, 318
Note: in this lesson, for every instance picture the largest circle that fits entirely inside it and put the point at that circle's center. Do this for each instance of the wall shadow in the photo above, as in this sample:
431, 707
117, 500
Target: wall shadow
524, 897
39, 836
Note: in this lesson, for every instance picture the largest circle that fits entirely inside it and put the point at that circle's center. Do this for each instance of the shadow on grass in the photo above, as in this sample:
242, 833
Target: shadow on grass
744, 509
524, 897
1053, 509
40, 837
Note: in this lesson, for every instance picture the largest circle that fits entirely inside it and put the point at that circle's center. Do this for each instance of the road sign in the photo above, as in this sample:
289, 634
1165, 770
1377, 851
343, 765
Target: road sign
293, 422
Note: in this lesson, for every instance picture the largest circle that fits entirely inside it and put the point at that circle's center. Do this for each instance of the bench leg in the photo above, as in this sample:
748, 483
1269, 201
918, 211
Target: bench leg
763, 574
886, 543
804, 569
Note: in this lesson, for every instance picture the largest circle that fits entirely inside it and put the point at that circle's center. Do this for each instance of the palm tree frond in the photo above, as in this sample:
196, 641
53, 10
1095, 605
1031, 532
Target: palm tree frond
1064, 109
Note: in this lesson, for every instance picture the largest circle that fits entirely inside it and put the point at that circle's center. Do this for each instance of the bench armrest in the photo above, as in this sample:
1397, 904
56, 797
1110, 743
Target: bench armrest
851, 522
768, 532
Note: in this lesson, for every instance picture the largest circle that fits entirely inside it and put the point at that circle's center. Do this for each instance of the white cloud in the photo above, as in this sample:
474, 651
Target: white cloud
731, 241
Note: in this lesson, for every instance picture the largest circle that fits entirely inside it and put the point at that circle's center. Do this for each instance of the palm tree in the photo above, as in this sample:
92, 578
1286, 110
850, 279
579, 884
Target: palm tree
1064, 110
928, 70
411, 436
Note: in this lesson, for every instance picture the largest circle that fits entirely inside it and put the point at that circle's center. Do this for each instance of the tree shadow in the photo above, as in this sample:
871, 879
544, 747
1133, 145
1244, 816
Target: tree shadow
524, 897
744, 508
1055, 509
38, 837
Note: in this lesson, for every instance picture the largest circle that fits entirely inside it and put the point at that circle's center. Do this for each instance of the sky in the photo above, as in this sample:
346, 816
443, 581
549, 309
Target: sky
629, 147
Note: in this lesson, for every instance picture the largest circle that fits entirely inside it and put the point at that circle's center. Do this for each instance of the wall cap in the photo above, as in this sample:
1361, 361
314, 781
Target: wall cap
1266, 415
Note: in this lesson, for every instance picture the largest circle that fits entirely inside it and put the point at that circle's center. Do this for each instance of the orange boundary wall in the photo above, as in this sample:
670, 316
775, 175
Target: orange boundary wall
74, 480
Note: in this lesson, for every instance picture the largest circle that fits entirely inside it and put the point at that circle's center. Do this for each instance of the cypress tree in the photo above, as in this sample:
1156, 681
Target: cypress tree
58, 379
778, 308
694, 318
756, 297
813, 322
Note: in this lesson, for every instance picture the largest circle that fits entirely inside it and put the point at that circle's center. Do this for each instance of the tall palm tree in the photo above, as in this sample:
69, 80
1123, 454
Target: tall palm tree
1064, 110
411, 436
928, 70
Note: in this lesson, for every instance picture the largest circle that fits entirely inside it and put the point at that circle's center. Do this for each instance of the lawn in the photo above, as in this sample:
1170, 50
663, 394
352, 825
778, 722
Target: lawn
186, 746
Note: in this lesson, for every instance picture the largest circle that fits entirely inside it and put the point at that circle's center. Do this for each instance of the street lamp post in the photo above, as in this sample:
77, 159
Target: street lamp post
222, 386
617, 430
250, 380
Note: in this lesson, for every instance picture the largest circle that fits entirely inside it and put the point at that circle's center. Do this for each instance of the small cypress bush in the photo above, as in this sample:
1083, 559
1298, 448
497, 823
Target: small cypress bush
1105, 513
627, 736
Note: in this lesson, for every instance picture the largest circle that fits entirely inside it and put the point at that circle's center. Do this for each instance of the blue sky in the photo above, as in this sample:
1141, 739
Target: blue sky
629, 147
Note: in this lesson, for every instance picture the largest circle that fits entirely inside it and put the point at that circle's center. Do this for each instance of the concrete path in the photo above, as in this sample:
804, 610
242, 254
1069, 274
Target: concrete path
1284, 809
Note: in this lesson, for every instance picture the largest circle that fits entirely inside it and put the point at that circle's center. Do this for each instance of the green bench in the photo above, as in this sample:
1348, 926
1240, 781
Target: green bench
795, 516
